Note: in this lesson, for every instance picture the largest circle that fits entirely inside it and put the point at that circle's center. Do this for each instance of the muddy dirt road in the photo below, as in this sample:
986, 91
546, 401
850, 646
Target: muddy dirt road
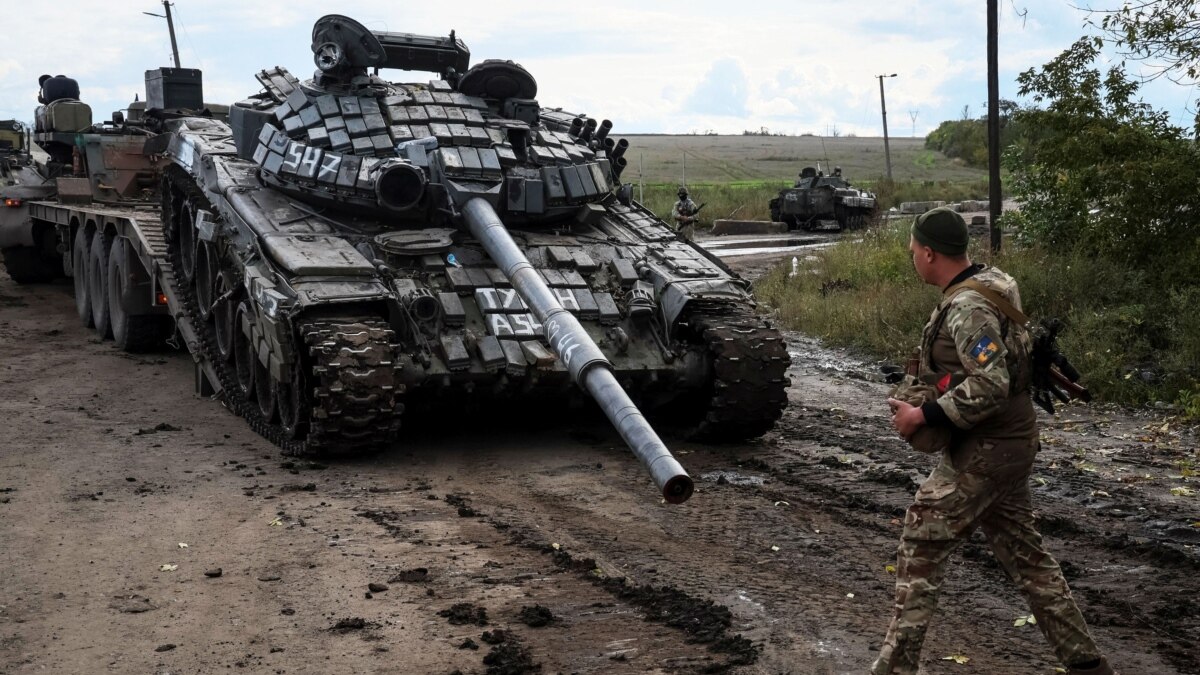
143, 530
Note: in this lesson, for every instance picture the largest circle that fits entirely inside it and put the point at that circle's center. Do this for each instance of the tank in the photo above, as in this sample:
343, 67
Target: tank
354, 252
817, 201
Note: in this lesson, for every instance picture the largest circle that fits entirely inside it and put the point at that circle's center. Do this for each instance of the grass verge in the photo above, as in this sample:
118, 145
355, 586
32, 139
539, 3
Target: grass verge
1134, 342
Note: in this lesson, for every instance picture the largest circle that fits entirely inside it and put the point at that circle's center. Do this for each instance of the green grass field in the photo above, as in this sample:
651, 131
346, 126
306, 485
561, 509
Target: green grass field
734, 159
736, 176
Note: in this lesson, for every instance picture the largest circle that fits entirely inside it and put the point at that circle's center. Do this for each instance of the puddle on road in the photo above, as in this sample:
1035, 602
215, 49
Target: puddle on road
774, 250
763, 245
807, 352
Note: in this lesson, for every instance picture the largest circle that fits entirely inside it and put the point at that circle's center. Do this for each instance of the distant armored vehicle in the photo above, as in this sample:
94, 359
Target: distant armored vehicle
820, 201
12, 140
347, 251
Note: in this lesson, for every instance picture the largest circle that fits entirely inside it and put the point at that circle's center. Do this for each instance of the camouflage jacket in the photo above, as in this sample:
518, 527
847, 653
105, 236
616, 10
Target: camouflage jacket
980, 360
683, 208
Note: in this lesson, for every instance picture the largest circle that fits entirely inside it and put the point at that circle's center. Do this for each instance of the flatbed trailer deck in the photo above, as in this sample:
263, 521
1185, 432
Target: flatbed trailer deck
153, 288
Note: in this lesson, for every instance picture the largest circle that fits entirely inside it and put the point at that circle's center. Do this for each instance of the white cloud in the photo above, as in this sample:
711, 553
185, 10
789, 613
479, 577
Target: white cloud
672, 67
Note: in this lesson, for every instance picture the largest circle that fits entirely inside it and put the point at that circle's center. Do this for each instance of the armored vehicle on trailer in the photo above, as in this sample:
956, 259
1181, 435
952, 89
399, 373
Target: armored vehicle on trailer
93, 189
820, 201
352, 250
14, 156
12, 142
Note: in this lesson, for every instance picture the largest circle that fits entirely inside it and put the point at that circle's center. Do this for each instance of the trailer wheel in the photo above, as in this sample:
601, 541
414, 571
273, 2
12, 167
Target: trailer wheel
132, 332
223, 315
25, 265
244, 357
97, 282
79, 269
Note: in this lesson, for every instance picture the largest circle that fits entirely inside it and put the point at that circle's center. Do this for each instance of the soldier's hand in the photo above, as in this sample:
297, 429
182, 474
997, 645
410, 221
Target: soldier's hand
907, 419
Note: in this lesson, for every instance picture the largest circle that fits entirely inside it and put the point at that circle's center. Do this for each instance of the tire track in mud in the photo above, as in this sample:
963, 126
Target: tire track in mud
594, 606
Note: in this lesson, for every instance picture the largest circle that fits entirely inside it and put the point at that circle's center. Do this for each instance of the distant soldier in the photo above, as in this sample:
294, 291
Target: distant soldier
978, 363
684, 214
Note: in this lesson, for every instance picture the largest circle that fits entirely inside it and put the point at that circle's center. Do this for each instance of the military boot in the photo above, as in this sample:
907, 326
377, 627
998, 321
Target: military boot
1101, 668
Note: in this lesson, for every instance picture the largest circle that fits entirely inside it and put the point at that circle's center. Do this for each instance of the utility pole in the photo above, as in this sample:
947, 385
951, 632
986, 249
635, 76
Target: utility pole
993, 126
170, 28
913, 114
887, 150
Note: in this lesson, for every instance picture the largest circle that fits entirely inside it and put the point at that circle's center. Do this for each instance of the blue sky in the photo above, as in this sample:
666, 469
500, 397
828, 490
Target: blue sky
669, 67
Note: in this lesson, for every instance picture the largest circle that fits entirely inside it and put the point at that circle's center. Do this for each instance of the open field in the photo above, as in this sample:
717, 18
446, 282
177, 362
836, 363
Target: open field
725, 159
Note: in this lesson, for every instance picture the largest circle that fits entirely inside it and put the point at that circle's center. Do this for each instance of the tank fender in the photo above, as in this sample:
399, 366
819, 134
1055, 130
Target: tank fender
182, 150
673, 296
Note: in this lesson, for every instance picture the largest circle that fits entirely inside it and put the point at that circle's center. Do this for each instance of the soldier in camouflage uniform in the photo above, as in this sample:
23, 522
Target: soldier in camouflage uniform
684, 214
980, 364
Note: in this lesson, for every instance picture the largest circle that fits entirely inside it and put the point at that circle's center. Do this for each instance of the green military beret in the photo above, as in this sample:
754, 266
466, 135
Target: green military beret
942, 230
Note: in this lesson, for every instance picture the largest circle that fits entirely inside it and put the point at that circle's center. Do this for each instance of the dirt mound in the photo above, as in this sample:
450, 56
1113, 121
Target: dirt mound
463, 613
536, 616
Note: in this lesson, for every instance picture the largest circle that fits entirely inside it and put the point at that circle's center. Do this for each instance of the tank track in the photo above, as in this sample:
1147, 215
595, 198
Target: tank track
350, 369
750, 362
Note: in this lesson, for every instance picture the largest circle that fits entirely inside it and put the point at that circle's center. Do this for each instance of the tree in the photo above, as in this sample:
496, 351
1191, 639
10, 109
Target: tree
966, 139
1107, 171
1165, 33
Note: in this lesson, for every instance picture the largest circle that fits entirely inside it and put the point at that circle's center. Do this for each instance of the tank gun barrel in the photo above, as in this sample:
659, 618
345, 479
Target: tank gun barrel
586, 363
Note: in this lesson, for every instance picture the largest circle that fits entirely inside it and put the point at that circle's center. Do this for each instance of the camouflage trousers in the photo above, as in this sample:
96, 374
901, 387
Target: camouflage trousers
688, 231
947, 508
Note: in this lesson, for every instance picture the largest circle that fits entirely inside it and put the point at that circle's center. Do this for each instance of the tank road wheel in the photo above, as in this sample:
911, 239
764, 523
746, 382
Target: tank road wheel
97, 283
79, 267
132, 332
206, 279
289, 399
187, 243
244, 357
264, 391
224, 314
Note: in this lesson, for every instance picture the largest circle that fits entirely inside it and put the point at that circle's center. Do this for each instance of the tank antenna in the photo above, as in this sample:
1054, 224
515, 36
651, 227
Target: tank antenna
170, 28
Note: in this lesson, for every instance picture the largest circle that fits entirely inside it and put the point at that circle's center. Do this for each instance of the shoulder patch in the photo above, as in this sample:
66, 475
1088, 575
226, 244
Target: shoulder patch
986, 349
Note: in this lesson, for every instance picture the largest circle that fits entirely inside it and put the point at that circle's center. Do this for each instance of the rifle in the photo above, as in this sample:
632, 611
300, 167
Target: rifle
1053, 375
692, 215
